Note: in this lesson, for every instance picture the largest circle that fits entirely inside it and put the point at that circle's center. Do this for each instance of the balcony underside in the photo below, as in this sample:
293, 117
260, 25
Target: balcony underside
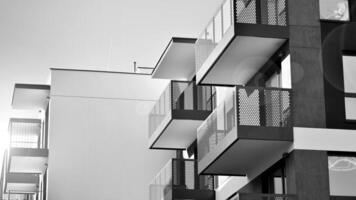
241, 54
33, 97
26, 160
261, 196
238, 154
19, 183
180, 131
193, 194
177, 61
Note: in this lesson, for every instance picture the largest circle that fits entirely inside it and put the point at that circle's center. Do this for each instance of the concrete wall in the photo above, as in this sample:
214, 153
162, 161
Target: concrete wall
308, 175
306, 63
98, 137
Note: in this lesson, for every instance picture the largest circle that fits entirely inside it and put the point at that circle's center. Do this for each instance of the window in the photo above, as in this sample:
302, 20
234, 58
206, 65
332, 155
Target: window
349, 68
334, 10
342, 175
282, 78
274, 179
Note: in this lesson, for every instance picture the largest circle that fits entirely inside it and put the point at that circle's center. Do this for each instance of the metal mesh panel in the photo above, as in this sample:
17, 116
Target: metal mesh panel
246, 11
249, 107
264, 107
277, 105
282, 12
277, 14
269, 12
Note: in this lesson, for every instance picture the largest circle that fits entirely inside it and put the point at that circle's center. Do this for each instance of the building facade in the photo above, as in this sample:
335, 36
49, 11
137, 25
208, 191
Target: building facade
261, 105
277, 78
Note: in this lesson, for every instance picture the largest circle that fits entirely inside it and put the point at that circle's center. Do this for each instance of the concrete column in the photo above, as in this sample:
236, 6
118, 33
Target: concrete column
306, 63
307, 175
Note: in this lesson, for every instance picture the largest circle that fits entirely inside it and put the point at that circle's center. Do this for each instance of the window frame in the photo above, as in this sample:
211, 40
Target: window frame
347, 94
335, 20
338, 154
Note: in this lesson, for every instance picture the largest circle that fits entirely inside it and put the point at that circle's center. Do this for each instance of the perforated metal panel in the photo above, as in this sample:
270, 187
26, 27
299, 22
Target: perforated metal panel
264, 107
269, 12
246, 11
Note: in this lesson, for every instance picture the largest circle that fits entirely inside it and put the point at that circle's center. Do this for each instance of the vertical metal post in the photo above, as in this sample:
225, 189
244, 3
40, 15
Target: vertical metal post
263, 106
195, 95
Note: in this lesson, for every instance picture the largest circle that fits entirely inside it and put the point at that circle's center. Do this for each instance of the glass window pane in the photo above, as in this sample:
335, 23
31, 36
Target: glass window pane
227, 15
286, 73
210, 32
342, 175
349, 66
334, 10
218, 27
350, 108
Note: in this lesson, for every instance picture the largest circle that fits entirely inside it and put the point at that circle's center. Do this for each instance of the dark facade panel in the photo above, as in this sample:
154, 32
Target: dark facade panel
338, 39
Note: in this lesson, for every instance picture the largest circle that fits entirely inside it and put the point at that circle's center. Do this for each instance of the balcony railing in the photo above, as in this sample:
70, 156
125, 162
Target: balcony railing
183, 96
25, 133
245, 106
267, 12
178, 174
256, 196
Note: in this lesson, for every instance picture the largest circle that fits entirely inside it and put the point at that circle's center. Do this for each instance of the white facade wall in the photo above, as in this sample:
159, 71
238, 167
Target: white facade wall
98, 137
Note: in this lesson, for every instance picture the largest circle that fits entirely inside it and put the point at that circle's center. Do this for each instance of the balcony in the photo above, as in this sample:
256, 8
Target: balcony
31, 97
256, 196
240, 38
21, 183
27, 153
177, 114
177, 61
251, 125
178, 179
17, 183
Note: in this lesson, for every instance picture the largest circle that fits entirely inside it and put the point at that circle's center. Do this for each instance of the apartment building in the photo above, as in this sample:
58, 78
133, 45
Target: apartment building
263, 102
261, 105
24, 169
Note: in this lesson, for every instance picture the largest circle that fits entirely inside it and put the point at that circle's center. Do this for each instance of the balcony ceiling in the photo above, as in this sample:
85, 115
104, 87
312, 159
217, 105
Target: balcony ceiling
30, 97
245, 155
242, 60
177, 61
179, 134
25, 160
21, 183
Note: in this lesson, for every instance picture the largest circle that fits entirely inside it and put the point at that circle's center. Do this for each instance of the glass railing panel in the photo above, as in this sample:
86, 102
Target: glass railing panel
213, 32
264, 107
161, 186
227, 15
25, 133
160, 111
178, 174
188, 96
182, 96
268, 12
215, 128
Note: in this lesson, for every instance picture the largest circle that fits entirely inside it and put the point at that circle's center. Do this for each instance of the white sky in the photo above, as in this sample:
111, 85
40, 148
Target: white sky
88, 34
